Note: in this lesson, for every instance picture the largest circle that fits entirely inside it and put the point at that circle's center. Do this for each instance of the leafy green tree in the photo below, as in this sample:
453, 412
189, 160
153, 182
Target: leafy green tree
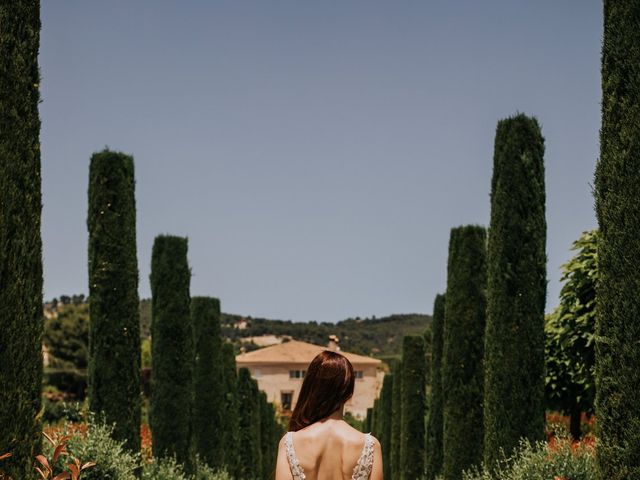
229, 422
617, 194
20, 241
66, 337
516, 290
207, 381
396, 420
172, 351
435, 421
412, 452
462, 360
114, 337
570, 332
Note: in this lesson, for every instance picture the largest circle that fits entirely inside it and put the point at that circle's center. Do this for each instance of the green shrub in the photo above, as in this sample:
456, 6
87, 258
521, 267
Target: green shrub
539, 461
55, 411
168, 469
113, 460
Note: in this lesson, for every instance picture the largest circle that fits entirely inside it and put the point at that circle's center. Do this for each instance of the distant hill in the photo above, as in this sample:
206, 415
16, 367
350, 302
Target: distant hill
380, 337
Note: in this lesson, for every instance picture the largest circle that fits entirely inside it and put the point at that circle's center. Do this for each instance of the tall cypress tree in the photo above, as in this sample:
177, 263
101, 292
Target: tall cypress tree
172, 351
268, 439
249, 429
229, 422
396, 418
433, 447
20, 242
413, 408
516, 290
207, 381
367, 420
617, 192
386, 400
462, 360
114, 334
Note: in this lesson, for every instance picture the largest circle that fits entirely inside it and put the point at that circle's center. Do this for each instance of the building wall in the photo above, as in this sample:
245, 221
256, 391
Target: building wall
273, 379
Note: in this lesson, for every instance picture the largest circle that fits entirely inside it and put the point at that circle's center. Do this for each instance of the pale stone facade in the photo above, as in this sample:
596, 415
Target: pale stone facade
279, 370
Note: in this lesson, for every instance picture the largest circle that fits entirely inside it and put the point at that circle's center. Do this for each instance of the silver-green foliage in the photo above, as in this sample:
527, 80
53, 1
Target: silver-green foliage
535, 461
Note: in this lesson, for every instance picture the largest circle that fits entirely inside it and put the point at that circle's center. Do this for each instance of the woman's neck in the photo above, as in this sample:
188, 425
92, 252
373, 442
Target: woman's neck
338, 414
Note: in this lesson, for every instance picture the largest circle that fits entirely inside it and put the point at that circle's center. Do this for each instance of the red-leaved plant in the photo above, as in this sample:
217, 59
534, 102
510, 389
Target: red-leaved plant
46, 469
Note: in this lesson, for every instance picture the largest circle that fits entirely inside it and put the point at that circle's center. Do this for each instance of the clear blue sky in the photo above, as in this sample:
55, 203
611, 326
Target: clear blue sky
316, 154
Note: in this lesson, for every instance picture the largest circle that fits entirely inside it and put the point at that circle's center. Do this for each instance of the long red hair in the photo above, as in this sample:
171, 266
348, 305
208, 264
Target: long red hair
327, 385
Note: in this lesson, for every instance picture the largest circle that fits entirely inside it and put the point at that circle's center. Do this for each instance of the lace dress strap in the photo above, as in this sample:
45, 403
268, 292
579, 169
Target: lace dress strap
296, 470
362, 470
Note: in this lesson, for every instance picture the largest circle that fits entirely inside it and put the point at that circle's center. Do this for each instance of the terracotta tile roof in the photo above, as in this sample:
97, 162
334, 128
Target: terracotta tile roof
295, 351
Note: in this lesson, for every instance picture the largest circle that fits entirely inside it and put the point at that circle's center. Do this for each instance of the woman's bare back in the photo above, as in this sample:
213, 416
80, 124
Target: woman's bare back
329, 450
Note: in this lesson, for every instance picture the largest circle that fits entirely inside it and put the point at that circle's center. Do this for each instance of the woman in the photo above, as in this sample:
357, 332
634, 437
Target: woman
320, 445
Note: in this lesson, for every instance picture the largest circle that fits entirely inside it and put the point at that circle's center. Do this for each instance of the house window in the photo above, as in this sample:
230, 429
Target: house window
297, 373
285, 400
359, 374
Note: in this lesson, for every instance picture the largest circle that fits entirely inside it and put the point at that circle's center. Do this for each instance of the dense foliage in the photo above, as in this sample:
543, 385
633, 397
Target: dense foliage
384, 435
433, 441
207, 381
20, 241
172, 348
462, 360
249, 442
370, 336
570, 331
229, 421
617, 194
559, 460
413, 406
396, 419
516, 289
114, 334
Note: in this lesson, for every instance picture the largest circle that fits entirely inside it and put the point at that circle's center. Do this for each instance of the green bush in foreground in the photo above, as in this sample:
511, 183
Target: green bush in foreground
539, 461
115, 462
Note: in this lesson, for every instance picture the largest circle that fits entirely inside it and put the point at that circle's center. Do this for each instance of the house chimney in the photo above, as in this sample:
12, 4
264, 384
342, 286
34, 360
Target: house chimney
333, 343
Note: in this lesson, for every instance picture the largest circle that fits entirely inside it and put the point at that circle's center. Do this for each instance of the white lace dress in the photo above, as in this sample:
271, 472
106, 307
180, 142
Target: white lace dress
362, 470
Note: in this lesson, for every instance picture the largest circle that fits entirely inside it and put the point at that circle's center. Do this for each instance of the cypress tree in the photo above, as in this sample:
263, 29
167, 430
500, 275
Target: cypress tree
249, 428
268, 440
617, 193
516, 290
114, 334
386, 400
172, 351
375, 417
367, 420
207, 381
20, 241
229, 422
396, 417
435, 421
413, 408
462, 364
